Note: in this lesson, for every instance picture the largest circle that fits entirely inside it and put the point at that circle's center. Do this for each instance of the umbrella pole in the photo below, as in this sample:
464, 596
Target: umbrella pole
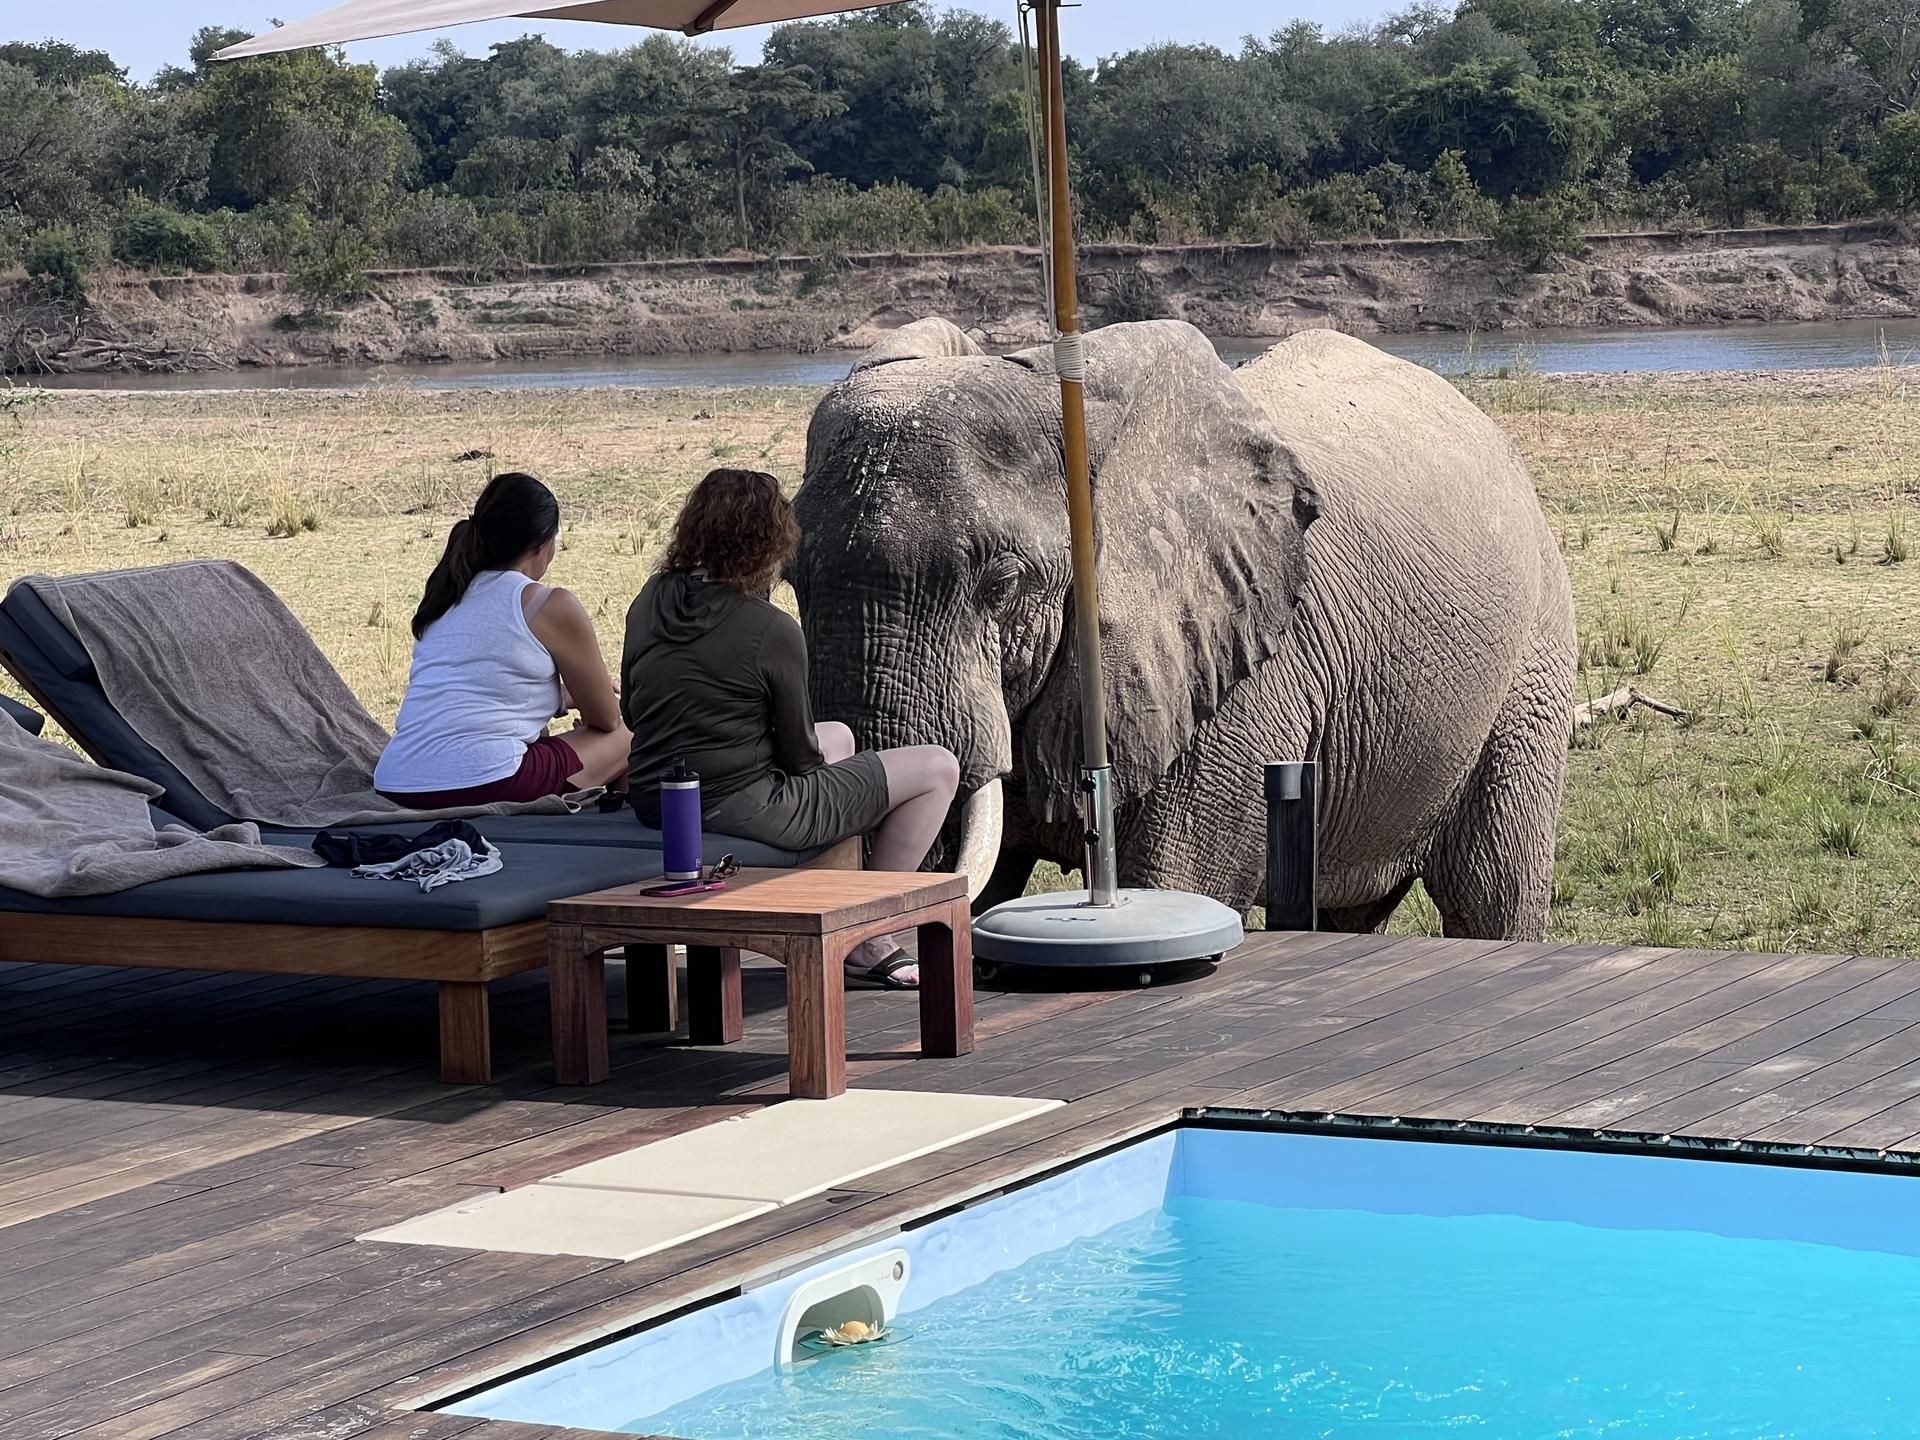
1102, 868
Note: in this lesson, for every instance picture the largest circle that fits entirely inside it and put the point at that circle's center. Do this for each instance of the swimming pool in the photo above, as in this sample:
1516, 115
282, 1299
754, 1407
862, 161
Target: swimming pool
1235, 1283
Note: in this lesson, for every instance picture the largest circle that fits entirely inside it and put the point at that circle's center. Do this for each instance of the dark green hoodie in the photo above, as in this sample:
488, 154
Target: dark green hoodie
719, 678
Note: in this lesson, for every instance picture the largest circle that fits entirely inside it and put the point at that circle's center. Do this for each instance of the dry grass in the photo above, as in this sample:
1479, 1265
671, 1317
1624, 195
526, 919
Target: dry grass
1737, 545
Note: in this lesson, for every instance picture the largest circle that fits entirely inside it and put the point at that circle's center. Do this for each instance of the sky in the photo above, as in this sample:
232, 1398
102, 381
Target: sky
143, 35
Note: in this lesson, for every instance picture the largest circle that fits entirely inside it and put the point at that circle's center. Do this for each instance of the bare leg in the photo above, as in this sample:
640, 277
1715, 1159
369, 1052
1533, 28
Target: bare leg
602, 755
921, 781
835, 741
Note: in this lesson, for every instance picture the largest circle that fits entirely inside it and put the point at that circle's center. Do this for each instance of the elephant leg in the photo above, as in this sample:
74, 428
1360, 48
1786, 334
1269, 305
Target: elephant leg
1009, 880
1366, 919
1490, 871
1201, 834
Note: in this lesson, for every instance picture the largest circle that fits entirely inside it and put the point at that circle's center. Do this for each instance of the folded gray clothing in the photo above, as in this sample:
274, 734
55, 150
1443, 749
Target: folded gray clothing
443, 864
71, 828
211, 669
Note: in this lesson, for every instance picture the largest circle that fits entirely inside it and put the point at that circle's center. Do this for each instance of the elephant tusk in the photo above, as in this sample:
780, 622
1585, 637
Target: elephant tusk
982, 820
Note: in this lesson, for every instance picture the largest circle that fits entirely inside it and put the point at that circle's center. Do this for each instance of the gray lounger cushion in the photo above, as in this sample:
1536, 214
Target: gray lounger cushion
32, 721
62, 671
533, 876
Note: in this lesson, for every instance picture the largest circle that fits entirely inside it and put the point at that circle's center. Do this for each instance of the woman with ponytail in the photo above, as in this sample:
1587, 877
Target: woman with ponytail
496, 656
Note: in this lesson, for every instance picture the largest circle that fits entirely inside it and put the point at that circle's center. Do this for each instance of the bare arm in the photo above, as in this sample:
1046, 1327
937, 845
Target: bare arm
783, 662
562, 625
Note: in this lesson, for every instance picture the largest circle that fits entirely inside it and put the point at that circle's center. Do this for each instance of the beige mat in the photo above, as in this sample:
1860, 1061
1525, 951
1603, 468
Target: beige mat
567, 1220
787, 1152
690, 1185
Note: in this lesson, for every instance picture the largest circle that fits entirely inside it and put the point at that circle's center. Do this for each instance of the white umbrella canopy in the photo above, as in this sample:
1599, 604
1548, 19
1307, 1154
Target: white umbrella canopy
373, 19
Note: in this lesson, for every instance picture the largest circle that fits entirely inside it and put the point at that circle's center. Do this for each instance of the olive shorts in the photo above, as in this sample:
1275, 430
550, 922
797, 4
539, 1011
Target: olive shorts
807, 812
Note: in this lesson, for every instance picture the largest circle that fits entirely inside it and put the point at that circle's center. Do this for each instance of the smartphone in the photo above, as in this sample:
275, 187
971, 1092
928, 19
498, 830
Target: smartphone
683, 887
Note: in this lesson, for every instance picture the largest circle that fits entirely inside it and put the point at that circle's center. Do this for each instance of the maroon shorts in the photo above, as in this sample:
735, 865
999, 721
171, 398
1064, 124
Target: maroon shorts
543, 771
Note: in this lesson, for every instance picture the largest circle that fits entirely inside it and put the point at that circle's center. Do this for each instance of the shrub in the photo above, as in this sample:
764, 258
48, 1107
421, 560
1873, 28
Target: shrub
1405, 196
1742, 180
1341, 206
334, 274
1841, 189
266, 238
434, 230
1895, 164
1454, 202
978, 217
505, 234
1235, 204
564, 232
833, 217
56, 267
1288, 228
166, 240
1535, 231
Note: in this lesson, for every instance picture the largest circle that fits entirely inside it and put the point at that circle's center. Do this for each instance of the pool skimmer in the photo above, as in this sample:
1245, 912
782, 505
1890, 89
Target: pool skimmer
866, 1293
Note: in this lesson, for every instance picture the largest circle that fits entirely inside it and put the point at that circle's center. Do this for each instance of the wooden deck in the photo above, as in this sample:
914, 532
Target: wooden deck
184, 1159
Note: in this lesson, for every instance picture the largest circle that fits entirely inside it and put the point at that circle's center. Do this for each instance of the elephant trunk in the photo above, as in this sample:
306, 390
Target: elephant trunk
880, 678
982, 822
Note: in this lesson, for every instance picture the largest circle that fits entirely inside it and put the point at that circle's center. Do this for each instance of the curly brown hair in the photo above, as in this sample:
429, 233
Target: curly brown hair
737, 528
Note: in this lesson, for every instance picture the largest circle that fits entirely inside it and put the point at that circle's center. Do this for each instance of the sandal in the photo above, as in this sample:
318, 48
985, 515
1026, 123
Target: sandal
885, 975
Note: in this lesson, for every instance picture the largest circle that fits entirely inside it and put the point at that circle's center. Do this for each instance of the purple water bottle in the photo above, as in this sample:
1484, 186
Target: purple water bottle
680, 822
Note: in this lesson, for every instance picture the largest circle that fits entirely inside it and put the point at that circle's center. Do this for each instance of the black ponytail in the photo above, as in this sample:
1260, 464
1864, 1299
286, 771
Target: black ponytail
513, 515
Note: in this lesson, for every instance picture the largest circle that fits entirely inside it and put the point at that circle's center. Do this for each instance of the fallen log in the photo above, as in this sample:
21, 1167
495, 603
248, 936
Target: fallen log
1621, 701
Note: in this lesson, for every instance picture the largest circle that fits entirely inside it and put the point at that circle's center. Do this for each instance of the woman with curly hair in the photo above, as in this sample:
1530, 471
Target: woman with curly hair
715, 673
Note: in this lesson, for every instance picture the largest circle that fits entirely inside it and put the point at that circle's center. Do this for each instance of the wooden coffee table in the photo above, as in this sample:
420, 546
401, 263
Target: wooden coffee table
810, 919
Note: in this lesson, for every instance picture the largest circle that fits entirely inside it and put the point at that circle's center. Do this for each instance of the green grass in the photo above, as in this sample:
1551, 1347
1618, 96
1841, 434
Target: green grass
1781, 817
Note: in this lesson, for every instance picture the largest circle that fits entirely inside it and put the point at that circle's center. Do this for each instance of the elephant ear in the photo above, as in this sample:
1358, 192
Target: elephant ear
930, 339
1201, 514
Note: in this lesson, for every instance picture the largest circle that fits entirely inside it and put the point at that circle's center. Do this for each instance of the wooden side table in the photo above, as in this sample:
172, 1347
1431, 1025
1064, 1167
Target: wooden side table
810, 919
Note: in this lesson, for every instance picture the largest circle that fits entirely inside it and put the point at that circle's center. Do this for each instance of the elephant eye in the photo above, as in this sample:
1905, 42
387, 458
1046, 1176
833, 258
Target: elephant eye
1000, 583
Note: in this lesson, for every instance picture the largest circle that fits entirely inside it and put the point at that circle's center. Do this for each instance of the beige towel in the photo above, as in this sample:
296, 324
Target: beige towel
71, 828
211, 669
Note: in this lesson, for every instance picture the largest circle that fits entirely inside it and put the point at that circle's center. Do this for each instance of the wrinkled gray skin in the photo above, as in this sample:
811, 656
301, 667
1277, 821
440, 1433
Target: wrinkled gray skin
1327, 554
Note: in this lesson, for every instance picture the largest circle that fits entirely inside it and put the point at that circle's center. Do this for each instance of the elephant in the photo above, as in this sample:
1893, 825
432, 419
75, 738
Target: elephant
1326, 554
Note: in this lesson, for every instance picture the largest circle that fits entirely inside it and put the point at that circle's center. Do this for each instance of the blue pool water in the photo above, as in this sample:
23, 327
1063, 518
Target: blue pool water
1219, 1318
1229, 1284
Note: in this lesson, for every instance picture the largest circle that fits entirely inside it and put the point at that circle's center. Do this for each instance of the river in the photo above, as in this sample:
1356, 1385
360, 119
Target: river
1821, 346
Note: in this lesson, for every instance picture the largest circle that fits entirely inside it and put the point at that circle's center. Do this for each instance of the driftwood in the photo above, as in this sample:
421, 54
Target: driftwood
1621, 701
42, 338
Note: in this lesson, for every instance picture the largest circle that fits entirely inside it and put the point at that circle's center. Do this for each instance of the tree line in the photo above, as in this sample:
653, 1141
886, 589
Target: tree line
1526, 120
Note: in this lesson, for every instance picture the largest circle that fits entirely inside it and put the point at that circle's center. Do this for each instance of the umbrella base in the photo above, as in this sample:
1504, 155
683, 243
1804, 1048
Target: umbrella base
1147, 927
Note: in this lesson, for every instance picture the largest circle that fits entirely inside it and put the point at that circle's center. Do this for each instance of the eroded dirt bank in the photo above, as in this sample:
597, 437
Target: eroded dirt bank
137, 322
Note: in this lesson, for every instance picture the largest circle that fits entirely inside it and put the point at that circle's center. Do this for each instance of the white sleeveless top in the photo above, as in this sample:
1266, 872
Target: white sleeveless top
481, 690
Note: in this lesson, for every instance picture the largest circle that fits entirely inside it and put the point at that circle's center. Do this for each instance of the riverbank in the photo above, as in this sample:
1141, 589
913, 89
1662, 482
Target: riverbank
1739, 547
210, 322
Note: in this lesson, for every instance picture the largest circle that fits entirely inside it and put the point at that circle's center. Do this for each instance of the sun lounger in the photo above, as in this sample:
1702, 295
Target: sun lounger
54, 668
325, 922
